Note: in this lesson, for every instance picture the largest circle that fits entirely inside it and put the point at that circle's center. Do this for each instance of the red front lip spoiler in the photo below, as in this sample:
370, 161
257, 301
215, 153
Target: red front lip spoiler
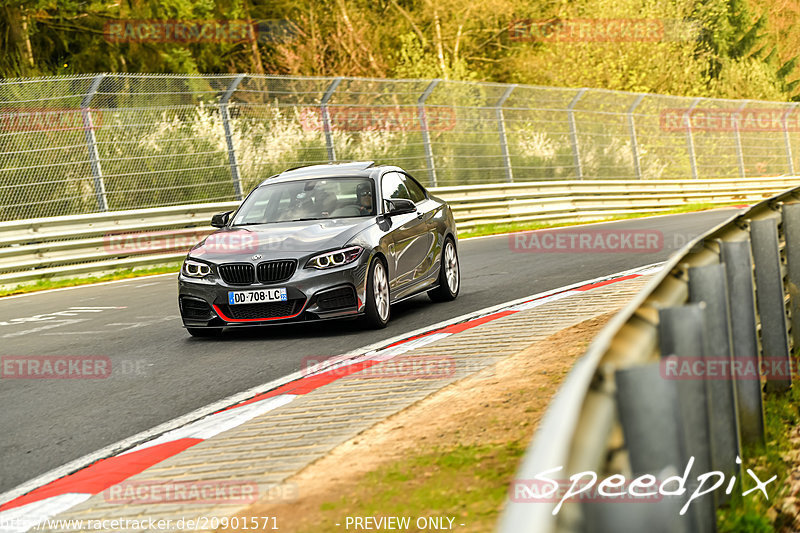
226, 319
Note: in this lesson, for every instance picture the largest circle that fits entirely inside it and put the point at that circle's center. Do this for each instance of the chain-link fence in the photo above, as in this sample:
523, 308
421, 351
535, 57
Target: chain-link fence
79, 144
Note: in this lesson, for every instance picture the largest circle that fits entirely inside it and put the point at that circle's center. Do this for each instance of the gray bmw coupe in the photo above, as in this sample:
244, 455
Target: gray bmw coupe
320, 242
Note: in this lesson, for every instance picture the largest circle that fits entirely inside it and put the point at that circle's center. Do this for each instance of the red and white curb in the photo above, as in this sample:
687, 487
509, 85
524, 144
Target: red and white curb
41, 499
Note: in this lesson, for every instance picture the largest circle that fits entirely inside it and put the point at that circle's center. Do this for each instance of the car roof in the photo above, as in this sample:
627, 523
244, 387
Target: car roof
366, 169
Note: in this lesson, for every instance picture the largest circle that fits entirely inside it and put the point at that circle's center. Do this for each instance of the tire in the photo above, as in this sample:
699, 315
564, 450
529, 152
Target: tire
378, 311
204, 332
449, 274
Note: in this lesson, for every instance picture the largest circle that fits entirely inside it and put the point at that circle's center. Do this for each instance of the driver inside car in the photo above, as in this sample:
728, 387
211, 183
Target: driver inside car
364, 192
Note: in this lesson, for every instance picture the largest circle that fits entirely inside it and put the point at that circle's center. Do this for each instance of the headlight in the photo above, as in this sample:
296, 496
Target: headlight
335, 258
195, 269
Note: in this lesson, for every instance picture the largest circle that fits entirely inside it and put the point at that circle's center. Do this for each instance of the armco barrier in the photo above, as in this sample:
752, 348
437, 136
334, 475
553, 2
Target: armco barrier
75, 245
675, 375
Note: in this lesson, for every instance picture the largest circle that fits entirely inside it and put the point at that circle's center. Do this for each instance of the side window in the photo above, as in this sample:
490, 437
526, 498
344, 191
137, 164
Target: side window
392, 186
415, 190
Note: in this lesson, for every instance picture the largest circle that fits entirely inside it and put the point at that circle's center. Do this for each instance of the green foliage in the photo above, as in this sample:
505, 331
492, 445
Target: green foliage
720, 42
750, 513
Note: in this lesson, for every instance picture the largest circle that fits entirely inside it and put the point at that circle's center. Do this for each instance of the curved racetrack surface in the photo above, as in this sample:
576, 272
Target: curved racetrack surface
160, 373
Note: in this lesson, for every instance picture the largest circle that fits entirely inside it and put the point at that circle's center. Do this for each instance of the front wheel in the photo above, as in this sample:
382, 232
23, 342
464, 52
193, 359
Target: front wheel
378, 311
204, 332
449, 275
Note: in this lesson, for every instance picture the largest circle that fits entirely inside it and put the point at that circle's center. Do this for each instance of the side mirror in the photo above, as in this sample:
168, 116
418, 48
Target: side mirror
400, 206
220, 220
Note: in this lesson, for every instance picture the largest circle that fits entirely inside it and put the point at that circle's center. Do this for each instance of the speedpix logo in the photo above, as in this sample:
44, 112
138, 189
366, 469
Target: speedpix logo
573, 240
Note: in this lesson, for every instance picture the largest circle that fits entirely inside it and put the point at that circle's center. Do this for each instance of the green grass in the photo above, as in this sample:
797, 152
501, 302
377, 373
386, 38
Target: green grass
469, 483
123, 273
485, 229
748, 514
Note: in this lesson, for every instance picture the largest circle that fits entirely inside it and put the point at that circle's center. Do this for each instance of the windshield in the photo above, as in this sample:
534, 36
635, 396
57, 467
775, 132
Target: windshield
312, 199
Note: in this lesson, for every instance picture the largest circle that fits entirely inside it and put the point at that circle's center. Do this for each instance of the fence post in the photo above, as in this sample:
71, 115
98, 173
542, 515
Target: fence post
423, 122
738, 138
501, 128
91, 143
326, 118
637, 169
771, 308
786, 140
573, 133
223, 110
689, 137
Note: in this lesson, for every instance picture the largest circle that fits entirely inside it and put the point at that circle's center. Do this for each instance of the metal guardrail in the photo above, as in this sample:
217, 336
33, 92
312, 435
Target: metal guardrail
79, 144
729, 298
99, 242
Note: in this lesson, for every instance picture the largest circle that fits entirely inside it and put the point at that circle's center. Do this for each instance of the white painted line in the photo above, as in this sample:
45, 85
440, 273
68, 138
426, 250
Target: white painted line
217, 423
18, 520
541, 301
84, 286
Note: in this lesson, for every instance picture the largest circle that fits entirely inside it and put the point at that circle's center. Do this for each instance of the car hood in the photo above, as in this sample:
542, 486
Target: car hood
283, 239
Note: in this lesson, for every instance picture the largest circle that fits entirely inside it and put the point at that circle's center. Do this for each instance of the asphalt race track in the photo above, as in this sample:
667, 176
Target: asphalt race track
160, 372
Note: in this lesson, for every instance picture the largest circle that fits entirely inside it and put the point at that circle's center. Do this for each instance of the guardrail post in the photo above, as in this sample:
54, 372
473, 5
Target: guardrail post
637, 169
681, 334
226, 124
786, 140
738, 138
708, 284
739, 273
687, 117
791, 233
426, 138
573, 133
326, 118
91, 143
647, 405
501, 128
770, 299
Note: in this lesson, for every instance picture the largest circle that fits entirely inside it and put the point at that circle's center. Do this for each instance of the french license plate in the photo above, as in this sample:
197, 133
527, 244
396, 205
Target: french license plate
255, 297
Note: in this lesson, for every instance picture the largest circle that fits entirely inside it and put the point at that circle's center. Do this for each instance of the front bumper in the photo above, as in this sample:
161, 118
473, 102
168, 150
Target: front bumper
311, 295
